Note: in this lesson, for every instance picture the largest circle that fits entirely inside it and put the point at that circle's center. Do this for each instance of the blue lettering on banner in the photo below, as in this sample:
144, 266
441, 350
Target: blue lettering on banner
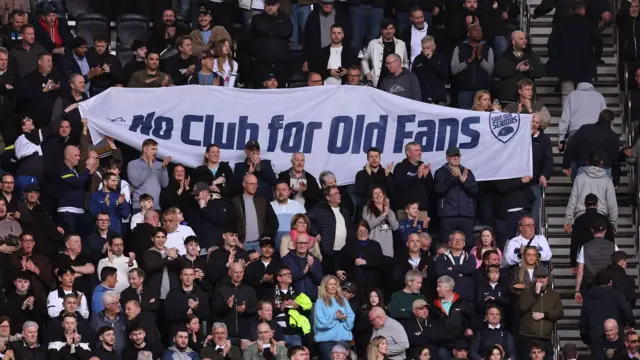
504, 126
346, 134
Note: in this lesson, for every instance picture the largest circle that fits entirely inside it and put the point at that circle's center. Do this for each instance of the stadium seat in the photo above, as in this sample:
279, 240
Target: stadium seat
131, 27
90, 25
76, 8
124, 54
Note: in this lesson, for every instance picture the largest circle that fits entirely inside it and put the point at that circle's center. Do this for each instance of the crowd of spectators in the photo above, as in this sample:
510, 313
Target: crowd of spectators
108, 252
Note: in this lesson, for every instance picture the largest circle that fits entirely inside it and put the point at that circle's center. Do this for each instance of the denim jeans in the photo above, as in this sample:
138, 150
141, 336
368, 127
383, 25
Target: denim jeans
365, 24
292, 340
299, 15
499, 46
537, 191
465, 99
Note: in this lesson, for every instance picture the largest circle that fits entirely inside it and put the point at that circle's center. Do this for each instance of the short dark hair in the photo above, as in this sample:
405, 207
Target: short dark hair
107, 176
113, 163
145, 197
117, 236
66, 270
138, 271
374, 149
26, 233
535, 344
24, 275
293, 351
595, 159
149, 142
281, 182
190, 239
181, 39
618, 256
337, 26
105, 329
100, 38
27, 26
17, 12
386, 22
180, 329
606, 118
524, 82
41, 56
103, 213
414, 9
159, 230
107, 271
149, 53
569, 351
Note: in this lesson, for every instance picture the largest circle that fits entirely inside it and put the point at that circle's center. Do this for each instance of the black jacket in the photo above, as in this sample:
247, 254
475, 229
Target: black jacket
34, 102
266, 177
237, 323
406, 35
147, 321
45, 232
130, 68
629, 33
154, 264
433, 75
311, 48
602, 303
270, 35
596, 138
176, 67
218, 272
513, 193
574, 47
157, 40
267, 219
460, 318
581, 232
143, 297
402, 266
227, 189
10, 37
130, 352
8, 99
311, 196
348, 58
456, 22
169, 197
366, 277
255, 271
106, 80
623, 282
199, 263
323, 223
44, 38
407, 186
365, 182
542, 156
53, 160
139, 240
461, 272
421, 333
22, 351
486, 337
208, 221
474, 76
500, 293
563, 9
177, 304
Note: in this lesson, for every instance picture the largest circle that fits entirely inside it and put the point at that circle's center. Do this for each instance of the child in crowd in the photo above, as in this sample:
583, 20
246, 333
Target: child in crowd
146, 204
413, 224
491, 292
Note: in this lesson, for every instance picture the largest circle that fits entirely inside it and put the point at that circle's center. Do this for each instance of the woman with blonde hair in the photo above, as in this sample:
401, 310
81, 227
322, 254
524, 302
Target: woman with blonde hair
377, 349
224, 65
334, 318
482, 102
299, 225
522, 276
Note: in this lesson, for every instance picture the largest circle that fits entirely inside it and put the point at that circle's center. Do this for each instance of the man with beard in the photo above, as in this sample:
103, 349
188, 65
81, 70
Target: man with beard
180, 348
99, 57
139, 343
164, 34
137, 291
416, 259
23, 59
182, 65
106, 350
204, 37
109, 200
150, 77
10, 33
117, 260
318, 34
53, 33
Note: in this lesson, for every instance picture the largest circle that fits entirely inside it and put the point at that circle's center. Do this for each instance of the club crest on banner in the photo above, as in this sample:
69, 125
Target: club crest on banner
504, 126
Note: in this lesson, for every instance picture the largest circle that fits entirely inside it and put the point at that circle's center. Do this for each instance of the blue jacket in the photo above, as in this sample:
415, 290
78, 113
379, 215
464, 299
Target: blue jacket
304, 283
116, 212
96, 299
326, 327
462, 270
71, 187
267, 178
455, 198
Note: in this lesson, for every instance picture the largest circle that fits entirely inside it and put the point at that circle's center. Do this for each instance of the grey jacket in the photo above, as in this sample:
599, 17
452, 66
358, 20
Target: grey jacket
397, 340
146, 180
253, 353
592, 179
582, 106
381, 229
406, 85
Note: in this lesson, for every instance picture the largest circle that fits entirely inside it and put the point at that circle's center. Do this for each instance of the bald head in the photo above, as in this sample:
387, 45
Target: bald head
610, 324
519, 40
250, 184
377, 317
71, 156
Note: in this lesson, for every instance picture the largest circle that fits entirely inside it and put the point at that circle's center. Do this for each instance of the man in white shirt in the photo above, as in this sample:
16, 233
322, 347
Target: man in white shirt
513, 249
285, 209
176, 233
413, 35
116, 259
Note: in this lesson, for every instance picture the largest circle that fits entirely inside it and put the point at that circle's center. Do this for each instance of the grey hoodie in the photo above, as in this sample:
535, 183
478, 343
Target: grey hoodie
405, 84
592, 179
582, 106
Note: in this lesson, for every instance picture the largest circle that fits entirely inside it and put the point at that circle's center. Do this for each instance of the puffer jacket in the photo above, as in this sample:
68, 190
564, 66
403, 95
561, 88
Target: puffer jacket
547, 302
592, 179
461, 317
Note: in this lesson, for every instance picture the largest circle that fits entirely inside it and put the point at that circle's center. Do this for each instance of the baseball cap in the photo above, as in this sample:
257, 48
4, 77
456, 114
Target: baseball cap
31, 187
453, 150
207, 55
420, 303
199, 187
252, 145
48, 9
541, 271
271, 2
204, 10
269, 76
591, 199
349, 286
599, 225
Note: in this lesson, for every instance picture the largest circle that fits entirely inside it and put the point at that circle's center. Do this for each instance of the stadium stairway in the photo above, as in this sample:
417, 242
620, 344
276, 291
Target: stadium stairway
557, 193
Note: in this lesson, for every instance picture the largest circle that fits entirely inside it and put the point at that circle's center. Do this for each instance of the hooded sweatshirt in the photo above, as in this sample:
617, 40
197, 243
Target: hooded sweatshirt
582, 106
592, 179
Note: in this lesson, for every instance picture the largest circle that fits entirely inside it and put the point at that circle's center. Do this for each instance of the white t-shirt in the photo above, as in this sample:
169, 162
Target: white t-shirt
416, 41
228, 75
335, 61
341, 230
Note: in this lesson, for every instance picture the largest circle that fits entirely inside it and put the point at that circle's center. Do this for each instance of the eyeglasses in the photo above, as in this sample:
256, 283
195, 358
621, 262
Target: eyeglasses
301, 243
301, 222
390, 62
527, 225
285, 274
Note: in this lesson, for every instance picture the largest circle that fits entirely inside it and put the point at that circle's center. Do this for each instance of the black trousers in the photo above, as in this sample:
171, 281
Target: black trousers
281, 70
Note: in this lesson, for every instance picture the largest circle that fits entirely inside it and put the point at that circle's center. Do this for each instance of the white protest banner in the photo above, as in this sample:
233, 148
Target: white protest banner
332, 125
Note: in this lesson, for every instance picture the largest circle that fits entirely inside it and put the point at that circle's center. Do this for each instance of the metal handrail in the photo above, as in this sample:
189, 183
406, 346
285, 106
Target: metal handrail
525, 18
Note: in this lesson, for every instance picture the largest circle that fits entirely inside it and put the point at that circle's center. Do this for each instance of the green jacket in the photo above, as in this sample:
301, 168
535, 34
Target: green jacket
509, 76
252, 353
401, 305
209, 352
548, 303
